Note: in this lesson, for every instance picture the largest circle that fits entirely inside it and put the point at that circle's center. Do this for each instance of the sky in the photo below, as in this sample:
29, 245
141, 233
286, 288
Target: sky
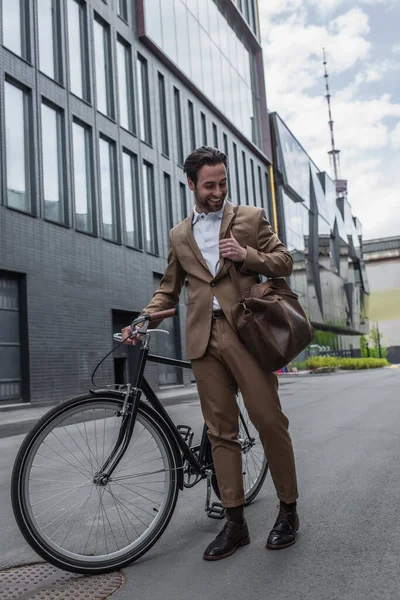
362, 43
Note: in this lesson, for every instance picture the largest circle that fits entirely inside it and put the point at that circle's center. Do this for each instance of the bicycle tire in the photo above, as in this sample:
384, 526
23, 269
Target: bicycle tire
22, 503
252, 491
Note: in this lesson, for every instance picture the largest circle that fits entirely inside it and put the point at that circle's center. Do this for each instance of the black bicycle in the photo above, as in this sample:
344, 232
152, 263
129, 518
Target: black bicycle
96, 480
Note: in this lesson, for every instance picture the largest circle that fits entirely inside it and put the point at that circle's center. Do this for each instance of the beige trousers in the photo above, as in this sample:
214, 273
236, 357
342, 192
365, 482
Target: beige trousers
225, 366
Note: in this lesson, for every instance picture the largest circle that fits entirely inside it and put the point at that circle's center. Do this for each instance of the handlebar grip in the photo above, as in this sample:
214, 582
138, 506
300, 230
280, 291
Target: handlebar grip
163, 314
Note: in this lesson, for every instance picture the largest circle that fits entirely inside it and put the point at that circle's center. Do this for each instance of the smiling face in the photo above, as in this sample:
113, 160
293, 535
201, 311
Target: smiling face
211, 188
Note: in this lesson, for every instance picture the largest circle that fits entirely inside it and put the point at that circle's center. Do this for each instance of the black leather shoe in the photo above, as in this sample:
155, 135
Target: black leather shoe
232, 536
284, 532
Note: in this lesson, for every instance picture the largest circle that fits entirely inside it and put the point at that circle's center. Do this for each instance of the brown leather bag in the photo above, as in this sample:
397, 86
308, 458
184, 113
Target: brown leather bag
270, 321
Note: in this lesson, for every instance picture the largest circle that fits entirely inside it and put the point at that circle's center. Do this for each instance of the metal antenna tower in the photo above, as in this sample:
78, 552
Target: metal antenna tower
334, 154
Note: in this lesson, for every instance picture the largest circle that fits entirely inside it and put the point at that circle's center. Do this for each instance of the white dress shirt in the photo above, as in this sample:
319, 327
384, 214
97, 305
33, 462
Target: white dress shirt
206, 228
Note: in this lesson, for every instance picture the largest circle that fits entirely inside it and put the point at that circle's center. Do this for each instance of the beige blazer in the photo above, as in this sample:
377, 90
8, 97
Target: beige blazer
266, 255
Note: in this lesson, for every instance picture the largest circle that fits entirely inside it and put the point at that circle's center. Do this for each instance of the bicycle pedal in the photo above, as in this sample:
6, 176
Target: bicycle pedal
216, 511
186, 432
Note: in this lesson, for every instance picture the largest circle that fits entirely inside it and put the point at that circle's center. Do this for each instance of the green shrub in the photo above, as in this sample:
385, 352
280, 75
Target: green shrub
300, 366
318, 362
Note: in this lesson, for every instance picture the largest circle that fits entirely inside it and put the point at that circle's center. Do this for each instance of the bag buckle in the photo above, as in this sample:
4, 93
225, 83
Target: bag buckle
246, 311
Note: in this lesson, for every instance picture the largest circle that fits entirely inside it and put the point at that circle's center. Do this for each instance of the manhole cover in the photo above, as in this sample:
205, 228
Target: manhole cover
44, 582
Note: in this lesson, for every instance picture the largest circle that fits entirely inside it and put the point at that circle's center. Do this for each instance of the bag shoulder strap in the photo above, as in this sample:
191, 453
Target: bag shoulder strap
232, 269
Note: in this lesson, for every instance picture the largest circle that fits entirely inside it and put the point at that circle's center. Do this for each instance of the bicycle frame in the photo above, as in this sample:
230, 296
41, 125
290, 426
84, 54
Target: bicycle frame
129, 417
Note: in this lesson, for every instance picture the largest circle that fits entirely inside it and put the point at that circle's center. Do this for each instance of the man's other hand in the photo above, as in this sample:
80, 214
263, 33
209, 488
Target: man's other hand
230, 248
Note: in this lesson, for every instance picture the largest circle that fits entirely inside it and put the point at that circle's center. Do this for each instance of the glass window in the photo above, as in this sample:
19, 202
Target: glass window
123, 9
260, 185
163, 115
18, 151
83, 177
195, 52
296, 163
149, 209
296, 224
203, 14
237, 176
178, 123
225, 138
108, 189
125, 85
15, 19
168, 202
49, 35
215, 135
77, 52
168, 29
253, 200
192, 126
53, 161
182, 196
207, 63
153, 21
183, 37
144, 100
246, 186
131, 199
105, 100
203, 129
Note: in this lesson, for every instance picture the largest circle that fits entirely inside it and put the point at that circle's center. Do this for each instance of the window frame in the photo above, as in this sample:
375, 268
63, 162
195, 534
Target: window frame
237, 174
203, 120
58, 75
123, 14
145, 128
113, 169
137, 243
108, 66
246, 183
90, 181
84, 51
178, 125
62, 171
150, 204
29, 162
129, 80
192, 125
162, 97
25, 31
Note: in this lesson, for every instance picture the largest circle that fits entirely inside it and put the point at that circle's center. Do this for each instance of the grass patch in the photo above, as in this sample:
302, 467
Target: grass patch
318, 362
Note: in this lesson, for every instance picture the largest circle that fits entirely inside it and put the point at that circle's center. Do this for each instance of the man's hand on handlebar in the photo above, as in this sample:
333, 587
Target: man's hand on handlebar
134, 339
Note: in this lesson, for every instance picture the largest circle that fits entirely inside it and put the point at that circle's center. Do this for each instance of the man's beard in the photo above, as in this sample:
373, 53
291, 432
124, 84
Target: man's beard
209, 205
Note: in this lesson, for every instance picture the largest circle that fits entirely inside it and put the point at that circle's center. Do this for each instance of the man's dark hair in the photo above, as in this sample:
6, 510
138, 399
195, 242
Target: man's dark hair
200, 157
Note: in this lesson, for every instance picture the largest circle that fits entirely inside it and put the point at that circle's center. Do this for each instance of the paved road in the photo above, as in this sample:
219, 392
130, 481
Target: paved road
345, 429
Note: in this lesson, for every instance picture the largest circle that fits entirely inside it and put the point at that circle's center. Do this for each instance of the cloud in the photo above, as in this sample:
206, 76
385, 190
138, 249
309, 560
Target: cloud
364, 127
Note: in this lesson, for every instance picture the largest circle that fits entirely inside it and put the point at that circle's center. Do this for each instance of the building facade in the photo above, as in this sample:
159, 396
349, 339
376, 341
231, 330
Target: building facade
325, 239
100, 102
382, 258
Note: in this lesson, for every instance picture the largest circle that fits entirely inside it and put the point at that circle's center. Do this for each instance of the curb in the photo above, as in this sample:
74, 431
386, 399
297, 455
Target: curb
19, 426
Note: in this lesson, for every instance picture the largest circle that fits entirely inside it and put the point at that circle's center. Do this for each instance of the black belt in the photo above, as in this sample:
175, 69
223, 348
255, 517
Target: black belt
218, 314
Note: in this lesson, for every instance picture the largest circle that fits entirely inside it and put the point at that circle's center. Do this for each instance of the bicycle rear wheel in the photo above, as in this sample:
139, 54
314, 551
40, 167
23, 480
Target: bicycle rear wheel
254, 462
70, 518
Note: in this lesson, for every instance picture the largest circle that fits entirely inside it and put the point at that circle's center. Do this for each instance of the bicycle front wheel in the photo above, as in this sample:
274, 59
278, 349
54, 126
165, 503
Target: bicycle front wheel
66, 514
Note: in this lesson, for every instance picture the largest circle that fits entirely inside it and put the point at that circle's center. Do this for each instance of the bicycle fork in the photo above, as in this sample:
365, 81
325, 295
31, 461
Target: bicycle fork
128, 413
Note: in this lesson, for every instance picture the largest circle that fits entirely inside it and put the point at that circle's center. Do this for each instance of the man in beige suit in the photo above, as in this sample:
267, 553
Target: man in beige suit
200, 253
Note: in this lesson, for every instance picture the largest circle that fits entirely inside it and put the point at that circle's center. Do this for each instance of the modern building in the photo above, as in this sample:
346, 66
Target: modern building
100, 102
325, 240
382, 258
